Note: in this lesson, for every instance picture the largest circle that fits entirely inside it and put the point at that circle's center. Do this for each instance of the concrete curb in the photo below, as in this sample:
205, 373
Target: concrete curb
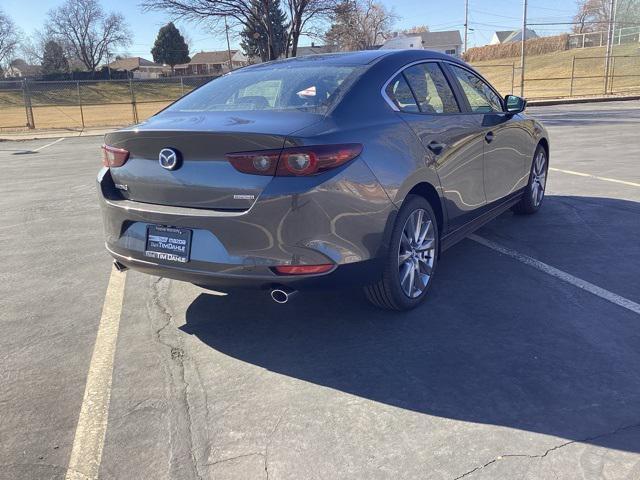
569, 101
46, 134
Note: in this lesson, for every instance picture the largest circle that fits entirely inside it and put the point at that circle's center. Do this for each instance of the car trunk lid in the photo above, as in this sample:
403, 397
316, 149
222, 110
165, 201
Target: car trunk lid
203, 178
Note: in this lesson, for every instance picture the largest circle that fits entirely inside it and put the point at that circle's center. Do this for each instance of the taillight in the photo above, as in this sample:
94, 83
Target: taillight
256, 163
294, 161
114, 157
302, 269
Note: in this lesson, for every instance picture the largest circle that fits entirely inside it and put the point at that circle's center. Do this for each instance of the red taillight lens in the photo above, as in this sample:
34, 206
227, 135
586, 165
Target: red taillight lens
256, 163
114, 157
302, 269
295, 161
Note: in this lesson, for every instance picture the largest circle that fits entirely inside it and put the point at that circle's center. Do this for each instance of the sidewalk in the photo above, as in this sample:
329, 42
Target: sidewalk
54, 133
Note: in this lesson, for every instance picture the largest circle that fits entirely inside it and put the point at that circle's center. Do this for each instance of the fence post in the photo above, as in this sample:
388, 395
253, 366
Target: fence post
80, 104
513, 77
573, 69
27, 104
133, 102
182, 84
613, 74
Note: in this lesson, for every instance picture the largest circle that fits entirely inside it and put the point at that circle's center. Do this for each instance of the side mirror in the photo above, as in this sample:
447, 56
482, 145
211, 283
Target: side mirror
515, 104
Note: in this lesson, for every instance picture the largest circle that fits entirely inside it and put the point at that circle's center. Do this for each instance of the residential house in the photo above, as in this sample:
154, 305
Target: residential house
212, 63
449, 42
18, 68
510, 36
139, 67
313, 49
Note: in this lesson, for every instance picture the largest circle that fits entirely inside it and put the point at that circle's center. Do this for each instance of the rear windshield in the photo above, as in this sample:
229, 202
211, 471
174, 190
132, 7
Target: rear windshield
283, 86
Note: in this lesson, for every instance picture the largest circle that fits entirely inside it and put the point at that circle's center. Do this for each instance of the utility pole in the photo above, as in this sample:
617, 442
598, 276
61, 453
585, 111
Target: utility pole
226, 29
522, 46
466, 24
610, 30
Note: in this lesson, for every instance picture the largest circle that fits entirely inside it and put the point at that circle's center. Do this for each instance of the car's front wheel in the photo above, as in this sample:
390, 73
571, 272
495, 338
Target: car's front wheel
411, 259
534, 192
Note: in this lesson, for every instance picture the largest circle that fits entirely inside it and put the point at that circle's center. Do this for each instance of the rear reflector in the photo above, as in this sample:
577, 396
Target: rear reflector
302, 269
295, 161
114, 157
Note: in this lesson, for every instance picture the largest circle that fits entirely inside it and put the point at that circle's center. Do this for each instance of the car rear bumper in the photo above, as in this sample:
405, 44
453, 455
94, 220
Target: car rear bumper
340, 220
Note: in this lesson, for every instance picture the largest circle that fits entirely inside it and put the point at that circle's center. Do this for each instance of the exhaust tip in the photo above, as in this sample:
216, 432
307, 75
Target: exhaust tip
281, 295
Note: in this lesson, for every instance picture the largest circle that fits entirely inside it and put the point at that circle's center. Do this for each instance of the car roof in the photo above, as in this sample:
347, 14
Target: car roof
362, 57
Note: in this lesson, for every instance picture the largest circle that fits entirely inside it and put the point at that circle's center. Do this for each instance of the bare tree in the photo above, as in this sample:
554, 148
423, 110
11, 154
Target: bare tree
593, 15
243, 13
360, 25
88, 30
302, 13
9, 38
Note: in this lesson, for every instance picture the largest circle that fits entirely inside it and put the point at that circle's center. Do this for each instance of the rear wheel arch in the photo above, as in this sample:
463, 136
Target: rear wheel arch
430, 194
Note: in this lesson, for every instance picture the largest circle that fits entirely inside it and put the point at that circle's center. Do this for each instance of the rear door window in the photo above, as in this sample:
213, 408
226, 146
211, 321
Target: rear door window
431, 89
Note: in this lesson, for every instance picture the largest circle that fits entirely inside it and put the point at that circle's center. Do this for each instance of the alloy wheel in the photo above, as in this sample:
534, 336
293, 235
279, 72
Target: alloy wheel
539, 180
416, 253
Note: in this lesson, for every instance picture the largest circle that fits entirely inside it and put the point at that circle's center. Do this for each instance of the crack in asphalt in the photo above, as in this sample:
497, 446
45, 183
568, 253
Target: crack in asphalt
266, 447
548, 451
173, 342
229, 459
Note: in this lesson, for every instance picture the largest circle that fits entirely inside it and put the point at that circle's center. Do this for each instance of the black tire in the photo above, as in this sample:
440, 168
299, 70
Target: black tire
387, 293
529, 204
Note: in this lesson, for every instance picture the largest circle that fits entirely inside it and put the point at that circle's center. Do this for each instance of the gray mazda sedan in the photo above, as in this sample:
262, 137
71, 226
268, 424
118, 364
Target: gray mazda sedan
312, 172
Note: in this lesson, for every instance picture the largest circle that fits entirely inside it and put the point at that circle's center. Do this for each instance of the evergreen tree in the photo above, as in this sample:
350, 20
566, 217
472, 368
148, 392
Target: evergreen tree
255, 36
170, 47
53, 59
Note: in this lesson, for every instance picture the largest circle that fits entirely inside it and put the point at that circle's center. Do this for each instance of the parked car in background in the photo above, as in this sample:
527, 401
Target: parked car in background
319, 171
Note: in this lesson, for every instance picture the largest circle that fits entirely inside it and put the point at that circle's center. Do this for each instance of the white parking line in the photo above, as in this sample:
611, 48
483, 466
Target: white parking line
88, 442
47, 145
564, 276
606, 179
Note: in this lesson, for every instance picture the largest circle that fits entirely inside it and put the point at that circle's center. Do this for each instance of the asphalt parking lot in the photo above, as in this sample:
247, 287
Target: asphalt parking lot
507, 371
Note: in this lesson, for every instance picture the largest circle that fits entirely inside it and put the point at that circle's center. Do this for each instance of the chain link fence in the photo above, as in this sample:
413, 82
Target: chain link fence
577, 77
76, 105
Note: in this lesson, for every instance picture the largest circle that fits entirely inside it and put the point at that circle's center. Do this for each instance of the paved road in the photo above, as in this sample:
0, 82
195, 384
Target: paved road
505, 372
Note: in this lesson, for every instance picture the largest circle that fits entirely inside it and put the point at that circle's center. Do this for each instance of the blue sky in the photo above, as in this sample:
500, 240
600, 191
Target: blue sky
486, 16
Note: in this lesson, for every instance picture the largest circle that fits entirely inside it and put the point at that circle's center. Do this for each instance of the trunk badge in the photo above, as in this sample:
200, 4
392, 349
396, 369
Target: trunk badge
169, 158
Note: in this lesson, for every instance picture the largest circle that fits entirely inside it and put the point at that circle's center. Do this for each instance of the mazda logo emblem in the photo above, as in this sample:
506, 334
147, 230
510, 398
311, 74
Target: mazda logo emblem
169, 158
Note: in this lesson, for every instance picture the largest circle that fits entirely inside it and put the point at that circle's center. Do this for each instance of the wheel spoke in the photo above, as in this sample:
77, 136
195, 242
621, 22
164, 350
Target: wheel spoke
424, 232
418, 226
404, 273
404, 241
421, 281
539, 163
403, 257
412, 279
426, 245
540, 193
425, 267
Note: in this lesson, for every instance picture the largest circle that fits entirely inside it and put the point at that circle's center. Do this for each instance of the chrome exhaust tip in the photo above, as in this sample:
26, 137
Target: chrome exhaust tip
282, 295
119, 266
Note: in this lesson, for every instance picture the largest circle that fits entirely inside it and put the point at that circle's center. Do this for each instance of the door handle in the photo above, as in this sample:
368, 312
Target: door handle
489, 137
436, 147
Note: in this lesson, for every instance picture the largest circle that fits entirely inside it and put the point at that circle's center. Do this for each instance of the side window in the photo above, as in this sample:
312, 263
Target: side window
400, 94
481, 97
431, 89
